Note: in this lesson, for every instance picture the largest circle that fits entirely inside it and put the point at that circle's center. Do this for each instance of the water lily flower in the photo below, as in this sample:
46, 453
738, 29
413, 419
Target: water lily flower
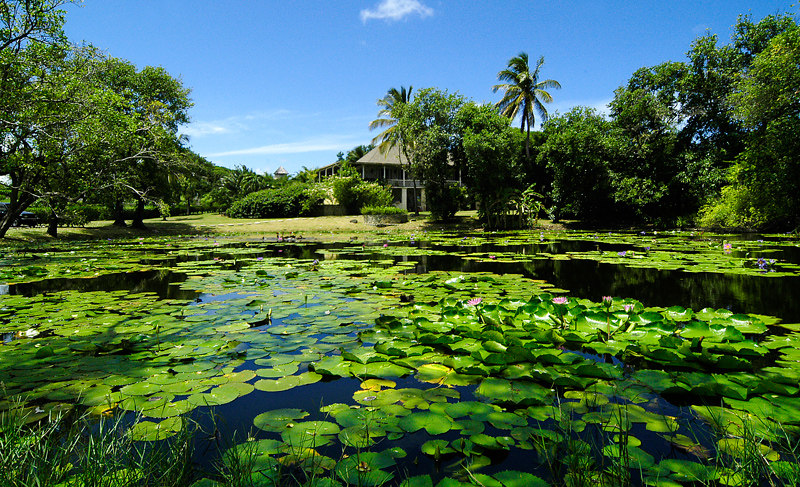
259, 258
560, 300
492, 256
474, 301
628, 307
622, 254
607, 301
385, 245
316, 262
727, 247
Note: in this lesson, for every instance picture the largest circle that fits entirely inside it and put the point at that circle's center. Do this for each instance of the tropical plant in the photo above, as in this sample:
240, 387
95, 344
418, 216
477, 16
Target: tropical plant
524, 93
354, 193
387, 118
432, 135
289, 200
392, 136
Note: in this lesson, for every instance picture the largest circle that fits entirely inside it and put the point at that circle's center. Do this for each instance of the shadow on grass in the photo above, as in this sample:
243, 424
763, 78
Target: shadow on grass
152, 229
457, 223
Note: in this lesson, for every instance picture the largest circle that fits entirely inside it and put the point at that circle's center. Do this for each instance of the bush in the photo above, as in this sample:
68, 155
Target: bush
291, 200
354, 193
444, 200
74, 215
382, 210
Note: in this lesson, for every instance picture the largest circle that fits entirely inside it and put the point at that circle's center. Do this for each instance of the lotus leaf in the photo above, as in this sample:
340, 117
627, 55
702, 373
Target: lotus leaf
513, 478
278, 419
364, 469
153, 431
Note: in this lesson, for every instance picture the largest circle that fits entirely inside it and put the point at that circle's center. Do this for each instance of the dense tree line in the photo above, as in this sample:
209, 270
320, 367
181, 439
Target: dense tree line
710, 140
79, 126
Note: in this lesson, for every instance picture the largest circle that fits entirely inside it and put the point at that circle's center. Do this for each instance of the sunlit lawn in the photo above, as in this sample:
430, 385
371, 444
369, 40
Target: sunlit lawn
317, 228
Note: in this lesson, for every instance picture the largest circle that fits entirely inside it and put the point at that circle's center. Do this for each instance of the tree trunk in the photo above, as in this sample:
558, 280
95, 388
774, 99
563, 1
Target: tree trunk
5, 224
18, 204
119, 213
138, 215
52, 225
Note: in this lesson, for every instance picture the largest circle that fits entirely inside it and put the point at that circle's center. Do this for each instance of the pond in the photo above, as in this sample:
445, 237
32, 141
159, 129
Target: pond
531, 358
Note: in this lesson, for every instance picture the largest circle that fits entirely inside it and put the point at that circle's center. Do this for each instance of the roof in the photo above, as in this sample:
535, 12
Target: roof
392, 157
374, 157
281, 170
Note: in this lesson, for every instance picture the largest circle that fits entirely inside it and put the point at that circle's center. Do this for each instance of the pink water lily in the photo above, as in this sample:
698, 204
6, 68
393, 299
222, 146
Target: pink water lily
474, 301
560, 300
628, 307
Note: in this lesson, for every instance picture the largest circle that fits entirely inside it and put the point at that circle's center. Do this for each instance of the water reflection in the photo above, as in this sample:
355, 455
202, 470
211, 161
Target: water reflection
159, 282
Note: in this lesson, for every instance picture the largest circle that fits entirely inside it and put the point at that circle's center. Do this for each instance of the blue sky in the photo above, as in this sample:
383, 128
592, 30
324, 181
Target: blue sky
292, 82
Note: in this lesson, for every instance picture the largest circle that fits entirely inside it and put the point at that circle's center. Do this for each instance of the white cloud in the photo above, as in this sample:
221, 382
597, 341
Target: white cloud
199, 129
325, 143
396, 10
235, 124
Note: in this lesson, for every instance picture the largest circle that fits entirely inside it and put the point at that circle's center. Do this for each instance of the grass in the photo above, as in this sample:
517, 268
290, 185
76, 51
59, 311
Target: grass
64, 450
322, 228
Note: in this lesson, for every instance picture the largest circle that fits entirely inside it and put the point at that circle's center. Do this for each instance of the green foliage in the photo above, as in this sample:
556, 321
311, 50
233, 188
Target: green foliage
383, 210
391, 136
291, 200
768, 103
432, 136
353, 193
493, 156
524, 93
576, 151
64, 450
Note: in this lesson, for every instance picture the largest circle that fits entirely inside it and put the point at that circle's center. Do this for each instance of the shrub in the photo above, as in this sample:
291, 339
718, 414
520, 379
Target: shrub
354, 193
291, 200
444, 200
382, 210
73, 215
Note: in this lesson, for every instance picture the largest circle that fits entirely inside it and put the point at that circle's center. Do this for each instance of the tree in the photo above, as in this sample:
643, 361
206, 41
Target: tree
764, 178
677, 135
433, 137
524, 94
576, 151
389, 137
492, 154
392, 136
50, 111
32, 41
26, 21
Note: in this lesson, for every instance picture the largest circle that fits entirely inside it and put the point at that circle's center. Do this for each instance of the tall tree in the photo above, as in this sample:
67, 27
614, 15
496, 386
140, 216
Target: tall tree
524, 93
392, 136
387, 118
767, 173
430, 128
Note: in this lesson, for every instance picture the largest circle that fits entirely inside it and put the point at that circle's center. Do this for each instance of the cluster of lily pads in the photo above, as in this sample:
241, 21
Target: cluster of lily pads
455, 367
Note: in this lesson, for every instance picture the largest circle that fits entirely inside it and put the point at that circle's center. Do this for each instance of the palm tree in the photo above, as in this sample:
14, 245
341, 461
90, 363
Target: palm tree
388, 138
524, 93
391, 137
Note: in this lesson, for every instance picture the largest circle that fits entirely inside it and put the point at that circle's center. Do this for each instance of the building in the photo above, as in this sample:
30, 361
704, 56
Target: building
280, 173
389, 169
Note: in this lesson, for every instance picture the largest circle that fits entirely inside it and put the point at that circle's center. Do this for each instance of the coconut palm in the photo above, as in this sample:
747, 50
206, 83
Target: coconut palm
391, 137
388, 138
524, 93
